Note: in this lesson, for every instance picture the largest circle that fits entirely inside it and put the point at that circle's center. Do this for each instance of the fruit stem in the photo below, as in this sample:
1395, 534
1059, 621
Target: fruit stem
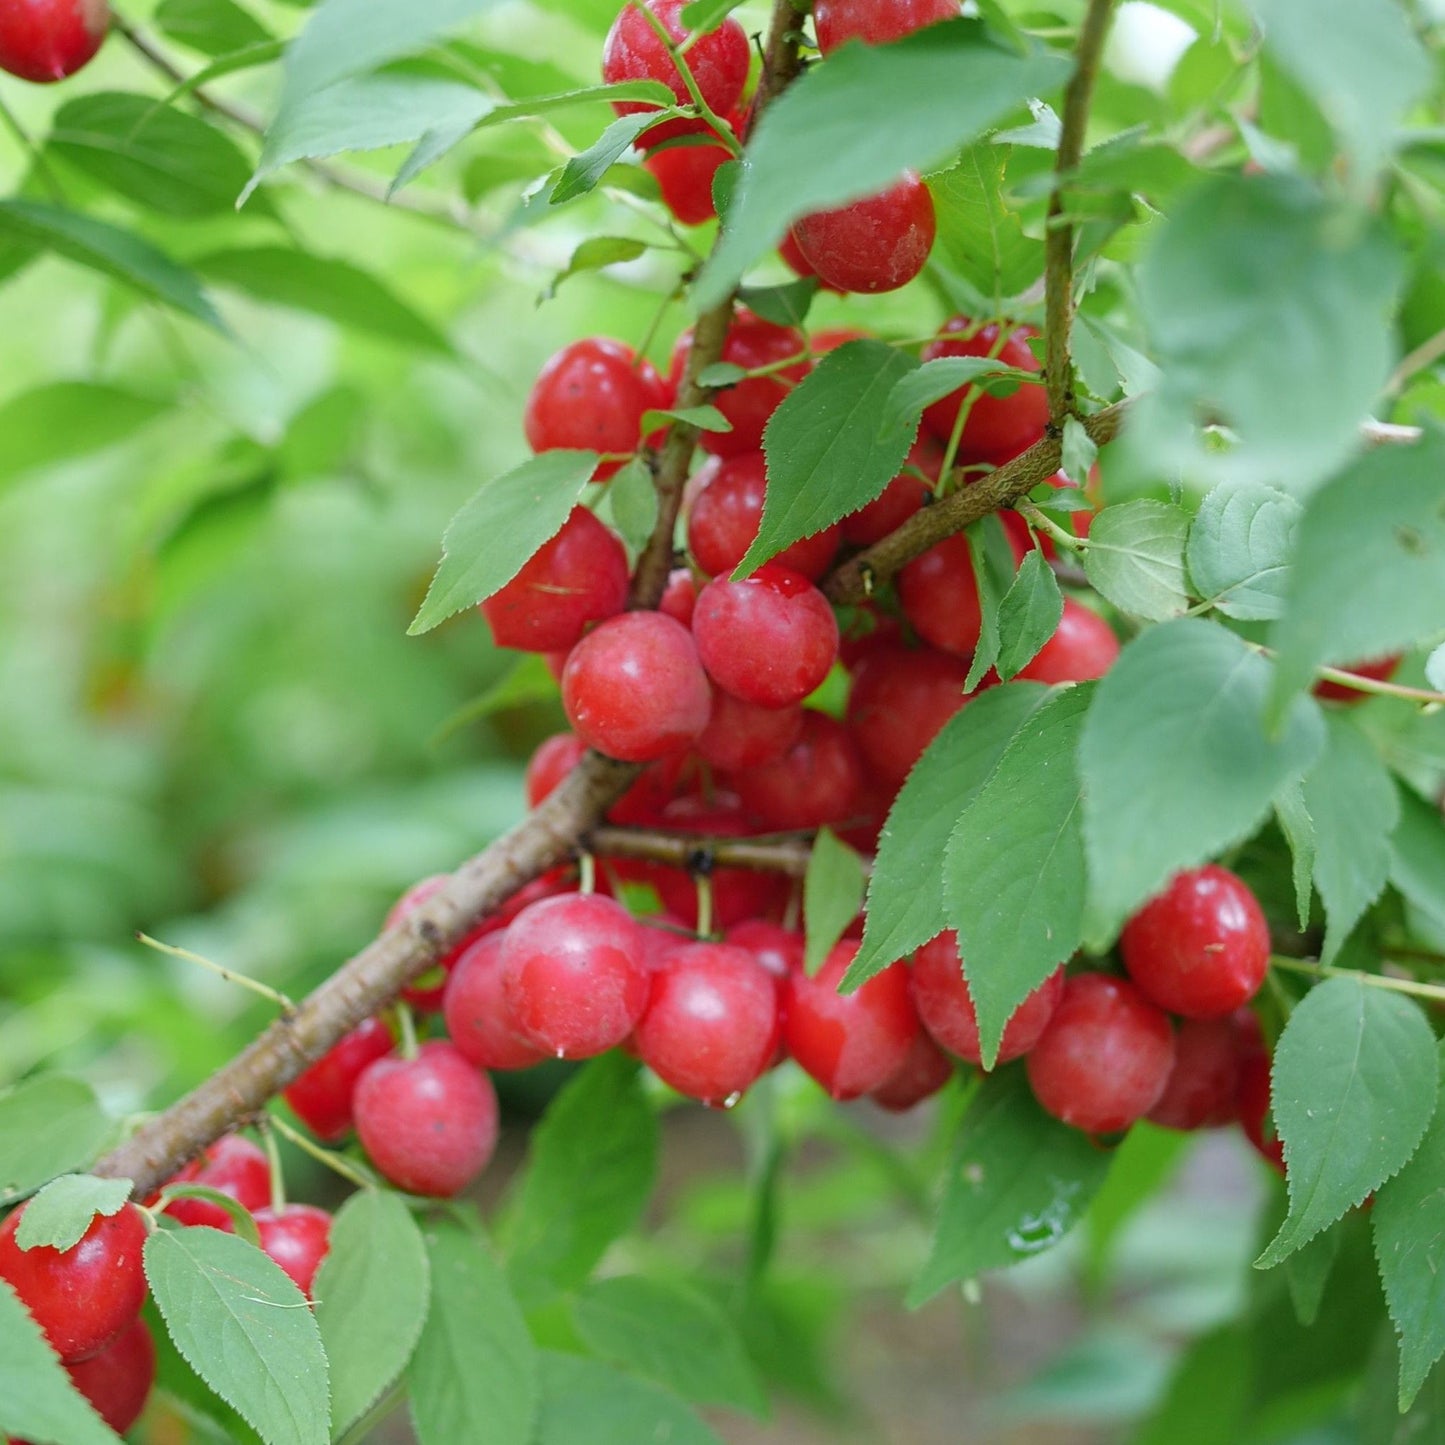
265, 991
273, 1158
679, 59
337, 1163
406, 1027
1310, 968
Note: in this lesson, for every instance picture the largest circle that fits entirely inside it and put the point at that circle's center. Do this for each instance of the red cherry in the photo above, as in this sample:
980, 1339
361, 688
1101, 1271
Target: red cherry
233, 1166
832, 337
297, 1238
850, 1043
634, 688
1082, 647
1105, 1057
429, 1124
685, 175
118, 1380
794, 259
939, 593
711, 1027
591, 396
769, 639
83, 1297
778, 949
1379, 669
743, 735
818, 781
321, 1097
726, 512
680, 597
46, 40
998, 427
737, 893
426, 993
875, 22
1201, 948
1204, 1081
577, 578
554, 758
923, 1073
477, 1016
900, 499
877, 244
901, 698
1252, 1093
944, 1003
573, 974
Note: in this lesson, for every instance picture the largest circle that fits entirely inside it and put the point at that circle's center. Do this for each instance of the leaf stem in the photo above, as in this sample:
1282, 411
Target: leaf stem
1434, 992
255, 986
329, 1158
679, 59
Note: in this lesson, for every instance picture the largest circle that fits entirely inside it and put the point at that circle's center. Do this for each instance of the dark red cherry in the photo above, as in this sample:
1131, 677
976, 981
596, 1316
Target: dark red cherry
1379, 669
998, 427
1252, 1093
321, 1097
685, 173
1204, 1081
877, 244
901, 698
778, 949
923, 1073
47, 40
743, 735
118, 1380
818, 781
939, 593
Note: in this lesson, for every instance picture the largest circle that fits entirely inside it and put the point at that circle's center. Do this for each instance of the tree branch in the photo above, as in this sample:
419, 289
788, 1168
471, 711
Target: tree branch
787, 854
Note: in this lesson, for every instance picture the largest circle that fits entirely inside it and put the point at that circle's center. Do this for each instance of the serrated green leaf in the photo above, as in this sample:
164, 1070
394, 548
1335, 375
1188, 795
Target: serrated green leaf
587, 1400
474, 1379
1177, 763
993, 569
66, 419
595, 253
489, 541
1136, 558
932, 381
1240, 546
212, 27
905, 896
49, 1126
371, 1294
245, 1329
582, 172
704, 418
632, 496
1299, 831
1353, 1089
1029, 614
784, 305
1307, 1271
1017, 1182
61, 1212
1014, 878
832, 895
979, 236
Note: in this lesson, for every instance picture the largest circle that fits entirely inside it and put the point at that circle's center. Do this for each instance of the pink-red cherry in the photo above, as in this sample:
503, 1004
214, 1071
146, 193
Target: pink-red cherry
1201, 948
685, 174
1378, 669
939, 593
901, 698
118, 1380
553, 759
850, 1043
924, 1072
818, 781
82, 1297
743, 735
425, 993
1083, 646
794, 259
998, 427
233, 1166
47, 40
680, 596
429, 1124
634, 689
478, 1018
297, 1237
577, 578
1252, 1093
899, 500
877, 244
875, 22
778, 949
1104, 1059
321, 1096
1204, 1081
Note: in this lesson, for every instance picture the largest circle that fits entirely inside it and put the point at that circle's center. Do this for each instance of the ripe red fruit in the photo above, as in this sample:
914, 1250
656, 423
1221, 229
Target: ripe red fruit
1203, 1083
1105, 1057
429, 1124
427, 992
680, 597
685, 175
118, 1380
46, 40
573, 974
939, 593
998, 427
711, 1027
943, 1001
1252, 1093
818, 781
877, 244
900, 499
553, 759
321, 1097
850, 1043
924, 1072
875, 22
297, 1238
830, 338
901, 697
478, 1019
726, 512
1379, 669
577, 578
83, 1297
742, 735
794, 259
769, 639
737, 893
634, 688
591, 396
1082, 647
777, 949
232, 1166
751, 343
1201, 948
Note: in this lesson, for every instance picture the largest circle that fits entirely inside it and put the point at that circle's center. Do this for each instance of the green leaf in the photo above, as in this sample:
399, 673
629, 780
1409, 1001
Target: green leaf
582, 172
1417, 856
1409, 1224
1299, 831
784, 305
474, 1380
243, 1223
705, 15
1351, 799
632, 496
49, 1126
213, 27
1369, 573
923, 385
1136, 558
832, 895
1014, 879
37, 1400
905, 896
673, 1335
979, 236
1353, 1089
831, 446
1144, 1161
101, 247
1240, 547
371, 1301
1079, 452
1307, 1271
847, 128
591, 1169
704, 418
1029, 614
595, 253
1017, 1182
245, 1329
323, 286
489, 541
66, 419
993, 568
1209, 1396
587, 1400
1177, 764
61, 1212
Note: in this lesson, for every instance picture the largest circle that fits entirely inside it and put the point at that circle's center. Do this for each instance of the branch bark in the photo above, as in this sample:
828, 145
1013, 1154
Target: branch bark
788, 855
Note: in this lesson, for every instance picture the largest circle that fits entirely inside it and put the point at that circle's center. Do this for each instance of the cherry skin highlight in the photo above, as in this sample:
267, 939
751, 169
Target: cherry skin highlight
1083, 647
1204, 1081
478, 1019
428, 1124
84, 1297
998, 427
321, 1097
877, 244
48, 40
777, 949
875, 22
818, 781
939, 594
118, 1380
635, 689
901, 698
944, 1003
1105, 1057
1201, 948
233, 1166
577, 578
297, 1238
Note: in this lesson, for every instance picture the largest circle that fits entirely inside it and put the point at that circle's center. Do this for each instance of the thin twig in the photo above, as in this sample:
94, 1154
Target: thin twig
788, 855
1432, 991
